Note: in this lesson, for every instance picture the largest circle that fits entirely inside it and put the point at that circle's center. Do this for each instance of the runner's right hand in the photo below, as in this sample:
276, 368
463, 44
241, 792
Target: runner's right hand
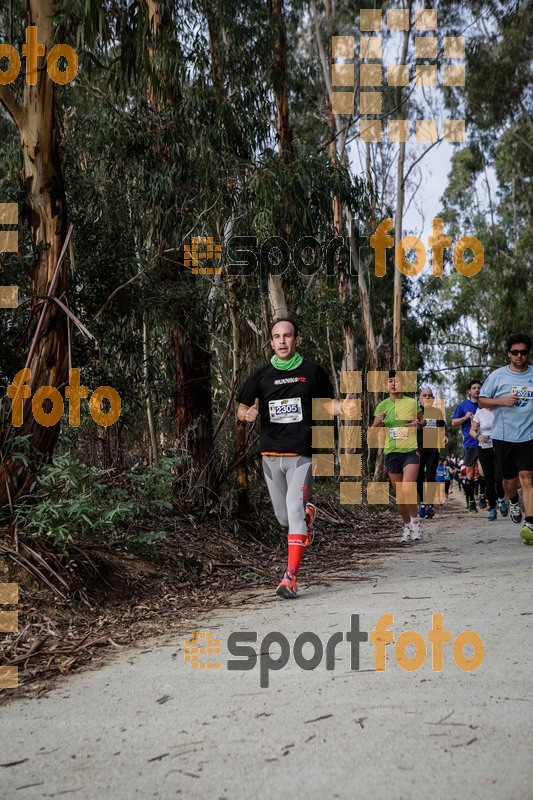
509, 400
252, 412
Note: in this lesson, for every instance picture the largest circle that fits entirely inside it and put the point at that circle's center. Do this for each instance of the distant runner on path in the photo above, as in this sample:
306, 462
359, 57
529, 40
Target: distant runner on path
281, 394
402, 416
508, 392
481, 431
429, 456
447, 481
463, 416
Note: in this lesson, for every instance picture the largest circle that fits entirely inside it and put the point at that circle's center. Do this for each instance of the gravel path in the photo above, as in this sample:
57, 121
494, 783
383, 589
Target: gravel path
147, 725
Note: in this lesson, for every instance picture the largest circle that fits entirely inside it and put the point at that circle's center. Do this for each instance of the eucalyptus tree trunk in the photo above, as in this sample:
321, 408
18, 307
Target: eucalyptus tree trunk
190, 362
189, 354
46, 214
219, 42
398, 223
345, 281
148, 394
340, 139
276, 295
397, 291
241, 470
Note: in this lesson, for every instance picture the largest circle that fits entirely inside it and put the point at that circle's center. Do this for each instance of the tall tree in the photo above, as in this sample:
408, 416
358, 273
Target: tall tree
46, 214
189, 354
398, 220
338, 133
278, 303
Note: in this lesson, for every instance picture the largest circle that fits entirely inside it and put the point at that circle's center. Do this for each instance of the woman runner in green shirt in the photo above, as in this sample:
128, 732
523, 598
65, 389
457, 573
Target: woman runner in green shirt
402, 417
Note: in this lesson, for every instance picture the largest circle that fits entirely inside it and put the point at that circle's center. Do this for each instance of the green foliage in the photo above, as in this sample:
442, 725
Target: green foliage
70, 500
155, 488
489, 195
499, 67
170, 134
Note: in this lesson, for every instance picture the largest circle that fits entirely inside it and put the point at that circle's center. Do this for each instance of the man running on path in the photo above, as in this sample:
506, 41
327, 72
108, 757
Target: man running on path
481, 431
508, 392
463, 417
281, 394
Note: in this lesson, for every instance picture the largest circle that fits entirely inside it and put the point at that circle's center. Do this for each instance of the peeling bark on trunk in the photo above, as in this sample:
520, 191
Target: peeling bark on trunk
241, 472
340, 137
189, 355
345, 293
190, 368
148, 394
276, 295
345, 281
364, 298
397, 300
191, 399
279, 79
218, 40
398, 223
46, 213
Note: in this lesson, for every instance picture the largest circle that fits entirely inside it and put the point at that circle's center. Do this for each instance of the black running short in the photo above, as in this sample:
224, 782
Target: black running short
513, 457
470, 456
395, 462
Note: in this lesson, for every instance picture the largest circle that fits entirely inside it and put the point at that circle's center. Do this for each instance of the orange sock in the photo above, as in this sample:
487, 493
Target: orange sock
296, 542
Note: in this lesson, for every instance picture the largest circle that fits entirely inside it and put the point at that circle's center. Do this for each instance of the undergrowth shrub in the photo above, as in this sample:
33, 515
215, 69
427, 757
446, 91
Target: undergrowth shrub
70, 499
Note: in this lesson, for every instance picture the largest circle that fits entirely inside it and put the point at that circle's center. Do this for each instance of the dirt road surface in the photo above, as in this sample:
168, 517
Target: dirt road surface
148, 725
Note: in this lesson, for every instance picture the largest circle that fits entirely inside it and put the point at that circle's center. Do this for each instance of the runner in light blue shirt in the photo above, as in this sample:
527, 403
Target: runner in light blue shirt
508, 392
512, 422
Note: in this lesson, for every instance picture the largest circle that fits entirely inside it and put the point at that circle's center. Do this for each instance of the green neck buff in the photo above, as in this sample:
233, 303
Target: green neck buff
292, 363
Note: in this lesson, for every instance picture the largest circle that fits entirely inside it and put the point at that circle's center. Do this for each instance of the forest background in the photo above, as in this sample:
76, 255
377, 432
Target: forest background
211, 119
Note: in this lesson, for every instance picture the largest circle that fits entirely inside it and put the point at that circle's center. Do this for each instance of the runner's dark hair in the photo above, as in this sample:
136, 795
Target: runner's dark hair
519, 338
475, 380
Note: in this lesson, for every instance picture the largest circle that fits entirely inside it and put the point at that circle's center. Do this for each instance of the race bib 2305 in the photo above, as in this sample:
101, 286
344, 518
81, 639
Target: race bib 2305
284, 411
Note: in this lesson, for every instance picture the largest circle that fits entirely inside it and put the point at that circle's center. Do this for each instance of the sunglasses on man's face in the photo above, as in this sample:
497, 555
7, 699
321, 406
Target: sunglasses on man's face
519, 352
